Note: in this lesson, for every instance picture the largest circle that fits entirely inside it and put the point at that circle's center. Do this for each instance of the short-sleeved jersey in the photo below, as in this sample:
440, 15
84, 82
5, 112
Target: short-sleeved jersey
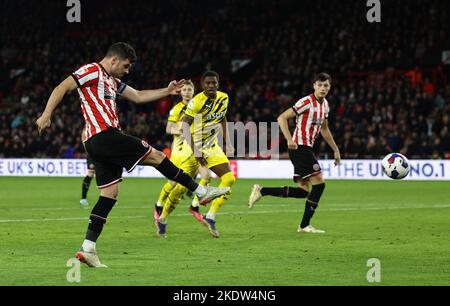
310, 116
98, 91
208, 114
176, 115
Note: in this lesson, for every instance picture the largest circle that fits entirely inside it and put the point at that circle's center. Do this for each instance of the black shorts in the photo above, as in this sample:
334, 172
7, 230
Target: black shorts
305, 163
111, 151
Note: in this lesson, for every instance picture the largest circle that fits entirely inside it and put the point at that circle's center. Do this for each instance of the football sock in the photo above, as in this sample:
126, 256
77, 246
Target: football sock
227, 180
159, 209
98, 217
312, 202
195, 208
88, 246
210, 215
285, 192
204, 182
85, 187
173, 173
167, 188
195, 201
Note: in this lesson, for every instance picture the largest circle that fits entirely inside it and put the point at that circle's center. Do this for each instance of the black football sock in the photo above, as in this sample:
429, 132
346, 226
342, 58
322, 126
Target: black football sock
285, 192
98, 217
85, 187
312, 203
159, 209
196, 209
173, 173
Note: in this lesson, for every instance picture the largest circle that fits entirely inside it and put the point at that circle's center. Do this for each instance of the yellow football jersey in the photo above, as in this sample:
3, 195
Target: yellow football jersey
176, 115
208, 114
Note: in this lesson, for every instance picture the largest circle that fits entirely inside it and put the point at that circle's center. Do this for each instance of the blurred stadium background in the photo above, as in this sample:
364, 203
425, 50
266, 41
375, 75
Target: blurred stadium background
390, 92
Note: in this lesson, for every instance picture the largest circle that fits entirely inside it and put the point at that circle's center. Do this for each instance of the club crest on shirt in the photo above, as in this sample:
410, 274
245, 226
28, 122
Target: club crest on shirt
316, 167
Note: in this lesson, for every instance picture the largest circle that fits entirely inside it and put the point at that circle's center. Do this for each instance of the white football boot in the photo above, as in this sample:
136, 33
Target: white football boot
310, 229
84, 202
255, 195
212, 193
90, 259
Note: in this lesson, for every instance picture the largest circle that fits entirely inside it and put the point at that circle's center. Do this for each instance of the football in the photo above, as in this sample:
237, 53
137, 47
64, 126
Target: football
395, 166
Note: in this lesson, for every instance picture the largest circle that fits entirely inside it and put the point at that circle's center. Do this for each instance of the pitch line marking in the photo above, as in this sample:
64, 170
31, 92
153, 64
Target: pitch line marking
149, 216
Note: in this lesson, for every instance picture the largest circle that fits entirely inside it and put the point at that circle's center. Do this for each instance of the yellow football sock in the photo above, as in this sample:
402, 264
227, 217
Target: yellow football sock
172, 200
165, 191
227, 180
204, 182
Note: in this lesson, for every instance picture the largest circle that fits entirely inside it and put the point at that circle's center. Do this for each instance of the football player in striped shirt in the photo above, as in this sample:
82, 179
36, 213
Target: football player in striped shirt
311, 113
98, 86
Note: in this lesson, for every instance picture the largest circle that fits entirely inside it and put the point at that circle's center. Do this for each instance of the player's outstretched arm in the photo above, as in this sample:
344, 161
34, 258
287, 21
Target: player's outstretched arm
145, 96
284, 126
56, 97
326, 134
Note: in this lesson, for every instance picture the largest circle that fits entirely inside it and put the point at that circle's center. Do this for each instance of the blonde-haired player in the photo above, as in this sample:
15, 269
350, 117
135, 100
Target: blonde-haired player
206, 116
178, 155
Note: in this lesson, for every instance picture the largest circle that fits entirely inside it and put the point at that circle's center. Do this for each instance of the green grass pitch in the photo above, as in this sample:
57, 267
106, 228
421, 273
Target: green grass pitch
405, 225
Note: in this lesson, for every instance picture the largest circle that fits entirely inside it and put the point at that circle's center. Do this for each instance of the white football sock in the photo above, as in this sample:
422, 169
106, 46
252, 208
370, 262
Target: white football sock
88, 246
210, 215
195, 203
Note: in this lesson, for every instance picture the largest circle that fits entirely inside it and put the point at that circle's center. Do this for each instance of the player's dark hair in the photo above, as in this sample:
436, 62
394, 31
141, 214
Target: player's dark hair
123, 51
210, 73
322, 77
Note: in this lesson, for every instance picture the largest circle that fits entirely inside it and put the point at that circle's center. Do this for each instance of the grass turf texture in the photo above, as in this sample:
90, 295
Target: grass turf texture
404, 224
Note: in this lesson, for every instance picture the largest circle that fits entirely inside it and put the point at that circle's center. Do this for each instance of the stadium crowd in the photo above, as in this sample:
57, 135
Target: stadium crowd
390, 90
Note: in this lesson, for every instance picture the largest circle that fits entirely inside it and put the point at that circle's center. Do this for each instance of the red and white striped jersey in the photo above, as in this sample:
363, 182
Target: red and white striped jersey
310, 116
98, 91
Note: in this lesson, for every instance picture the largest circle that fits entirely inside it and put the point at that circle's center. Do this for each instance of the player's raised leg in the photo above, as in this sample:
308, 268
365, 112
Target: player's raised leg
283, 192
161, 163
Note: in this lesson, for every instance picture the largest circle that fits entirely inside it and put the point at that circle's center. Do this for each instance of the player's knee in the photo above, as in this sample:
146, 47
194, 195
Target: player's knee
172, 183
90, 173
228, 179
155, 158
111, 192
318, 179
